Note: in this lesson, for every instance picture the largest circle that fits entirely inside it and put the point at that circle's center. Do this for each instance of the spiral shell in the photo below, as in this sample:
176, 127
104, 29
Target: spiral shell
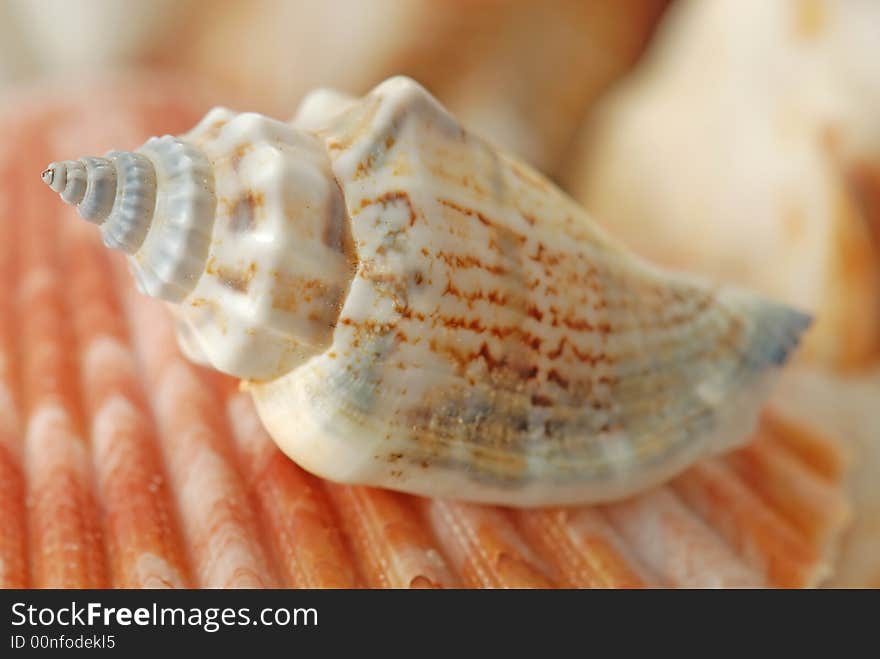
415, 310
119, 193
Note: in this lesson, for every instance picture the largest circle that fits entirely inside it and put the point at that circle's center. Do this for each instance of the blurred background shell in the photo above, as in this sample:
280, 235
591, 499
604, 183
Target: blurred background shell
746, 146
530, 76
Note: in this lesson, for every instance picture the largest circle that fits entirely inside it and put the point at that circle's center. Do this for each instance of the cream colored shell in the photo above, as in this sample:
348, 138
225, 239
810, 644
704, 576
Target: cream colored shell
414, 310
743, 149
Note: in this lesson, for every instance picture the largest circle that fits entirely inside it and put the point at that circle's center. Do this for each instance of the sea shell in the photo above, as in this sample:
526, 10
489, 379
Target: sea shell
415, 310
155, 472
768, 111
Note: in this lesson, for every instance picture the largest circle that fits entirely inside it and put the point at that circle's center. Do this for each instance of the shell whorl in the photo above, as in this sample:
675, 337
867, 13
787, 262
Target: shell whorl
121, 185
156, 204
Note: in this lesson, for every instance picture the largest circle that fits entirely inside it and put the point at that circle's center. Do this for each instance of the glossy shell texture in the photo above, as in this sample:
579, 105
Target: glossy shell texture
123, 464
413, 309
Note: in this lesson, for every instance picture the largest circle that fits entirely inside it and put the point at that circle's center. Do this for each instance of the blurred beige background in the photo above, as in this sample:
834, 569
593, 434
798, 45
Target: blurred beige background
521, 72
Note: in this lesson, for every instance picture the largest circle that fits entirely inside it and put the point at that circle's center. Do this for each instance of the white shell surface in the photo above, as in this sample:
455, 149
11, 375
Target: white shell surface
170, 260
280, 257
494, 345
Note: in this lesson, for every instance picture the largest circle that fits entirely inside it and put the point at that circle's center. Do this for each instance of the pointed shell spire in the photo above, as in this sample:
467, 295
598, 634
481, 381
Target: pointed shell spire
239, 223
169, 233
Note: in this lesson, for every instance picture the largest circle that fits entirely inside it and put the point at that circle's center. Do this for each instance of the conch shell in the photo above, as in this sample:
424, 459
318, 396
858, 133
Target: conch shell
412, 309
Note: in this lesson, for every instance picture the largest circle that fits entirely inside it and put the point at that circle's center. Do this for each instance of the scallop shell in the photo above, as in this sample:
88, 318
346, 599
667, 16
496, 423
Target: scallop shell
776, 183
123, 464
415, 310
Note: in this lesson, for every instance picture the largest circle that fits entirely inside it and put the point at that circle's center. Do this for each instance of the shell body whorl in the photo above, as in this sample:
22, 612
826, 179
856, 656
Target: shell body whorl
280, 256
495, 345
415, 310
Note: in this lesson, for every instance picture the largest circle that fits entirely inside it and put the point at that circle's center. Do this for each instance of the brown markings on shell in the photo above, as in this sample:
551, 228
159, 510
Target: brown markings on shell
461, 323
464, 261
359, 119
550, 259
368, 326
238, 154
337, 228
323, 300
211, 133
493, 297
586, 357
498, 451
235, 278
497, 444
527, 367
483, 219
513, 369
242, 212
466, 181
365, 166
547, 258
393, 197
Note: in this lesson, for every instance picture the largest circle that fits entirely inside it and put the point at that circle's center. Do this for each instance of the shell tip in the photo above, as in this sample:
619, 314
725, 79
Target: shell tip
55, 176
792, 325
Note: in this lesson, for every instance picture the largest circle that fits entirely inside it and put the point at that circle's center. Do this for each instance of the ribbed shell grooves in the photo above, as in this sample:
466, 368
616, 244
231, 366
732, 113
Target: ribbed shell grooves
128, 222
173, 254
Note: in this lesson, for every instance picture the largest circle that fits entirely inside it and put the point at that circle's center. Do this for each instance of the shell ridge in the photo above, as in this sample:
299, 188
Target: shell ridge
172, 256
